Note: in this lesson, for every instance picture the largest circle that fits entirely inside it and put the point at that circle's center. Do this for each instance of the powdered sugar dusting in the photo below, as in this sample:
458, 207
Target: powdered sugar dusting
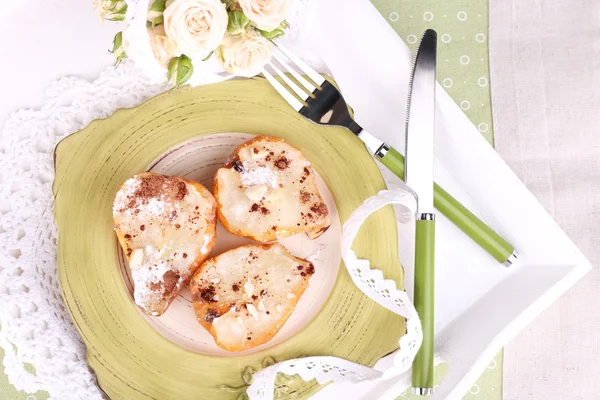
206, 248
259, 175
151, 272
128, 188
155, 207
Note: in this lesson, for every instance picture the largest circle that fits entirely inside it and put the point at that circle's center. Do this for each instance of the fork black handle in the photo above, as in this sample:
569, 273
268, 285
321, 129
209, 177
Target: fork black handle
458, 214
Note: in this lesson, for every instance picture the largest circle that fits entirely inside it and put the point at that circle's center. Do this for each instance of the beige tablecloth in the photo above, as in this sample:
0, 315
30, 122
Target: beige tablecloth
545, 75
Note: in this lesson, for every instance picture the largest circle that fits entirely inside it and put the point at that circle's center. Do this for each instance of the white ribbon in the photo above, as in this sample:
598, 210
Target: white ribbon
372, 283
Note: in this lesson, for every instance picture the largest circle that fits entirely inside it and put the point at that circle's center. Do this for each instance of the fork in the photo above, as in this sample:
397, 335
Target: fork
321, 102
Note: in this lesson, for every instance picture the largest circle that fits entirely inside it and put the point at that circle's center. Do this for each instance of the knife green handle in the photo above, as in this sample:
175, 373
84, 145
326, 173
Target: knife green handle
464, 219
422, 368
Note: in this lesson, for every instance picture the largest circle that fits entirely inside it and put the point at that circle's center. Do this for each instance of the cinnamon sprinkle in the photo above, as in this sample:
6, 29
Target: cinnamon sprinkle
170, 278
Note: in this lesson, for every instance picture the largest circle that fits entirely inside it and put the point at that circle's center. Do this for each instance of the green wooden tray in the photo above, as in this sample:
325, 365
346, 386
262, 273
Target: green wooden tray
131, 359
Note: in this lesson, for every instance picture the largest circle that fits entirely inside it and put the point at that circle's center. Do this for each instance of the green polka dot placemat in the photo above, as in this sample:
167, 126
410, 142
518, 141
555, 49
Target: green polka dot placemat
462, 28
487, 387
463, 70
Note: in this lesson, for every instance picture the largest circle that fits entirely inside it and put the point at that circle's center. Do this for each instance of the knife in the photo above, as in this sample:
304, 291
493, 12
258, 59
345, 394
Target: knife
420, 128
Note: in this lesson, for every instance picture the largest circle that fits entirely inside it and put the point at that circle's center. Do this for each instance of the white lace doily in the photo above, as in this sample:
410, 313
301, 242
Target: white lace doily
35, 329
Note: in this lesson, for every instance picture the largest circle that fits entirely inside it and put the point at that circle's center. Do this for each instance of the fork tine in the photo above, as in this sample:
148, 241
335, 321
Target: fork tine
312, 74
307, 85
289, 82
293, 101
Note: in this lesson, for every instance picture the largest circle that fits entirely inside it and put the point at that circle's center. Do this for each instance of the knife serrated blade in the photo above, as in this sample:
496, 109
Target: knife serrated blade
420, 123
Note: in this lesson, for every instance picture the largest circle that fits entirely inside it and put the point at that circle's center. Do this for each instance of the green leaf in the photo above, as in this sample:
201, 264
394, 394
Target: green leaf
181, 68
122, 10
208, 56
118, 48
275, 33
116, 18
120, 58
238, 22
172, 68
159, 5
219, 54
157, 21
117, 42
185, 69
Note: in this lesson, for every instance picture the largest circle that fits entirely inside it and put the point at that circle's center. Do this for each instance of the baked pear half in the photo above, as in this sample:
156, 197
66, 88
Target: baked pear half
267, 190
244, 296
166, 226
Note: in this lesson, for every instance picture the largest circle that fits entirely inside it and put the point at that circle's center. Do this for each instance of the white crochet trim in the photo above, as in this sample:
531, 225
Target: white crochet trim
372, 283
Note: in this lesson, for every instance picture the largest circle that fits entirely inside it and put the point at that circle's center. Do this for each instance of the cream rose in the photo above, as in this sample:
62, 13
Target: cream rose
245, 55
196, 26
162, 47
266, 14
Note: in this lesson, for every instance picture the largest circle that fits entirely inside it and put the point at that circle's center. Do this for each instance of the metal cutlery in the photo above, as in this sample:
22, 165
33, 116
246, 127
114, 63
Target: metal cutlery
321, 102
